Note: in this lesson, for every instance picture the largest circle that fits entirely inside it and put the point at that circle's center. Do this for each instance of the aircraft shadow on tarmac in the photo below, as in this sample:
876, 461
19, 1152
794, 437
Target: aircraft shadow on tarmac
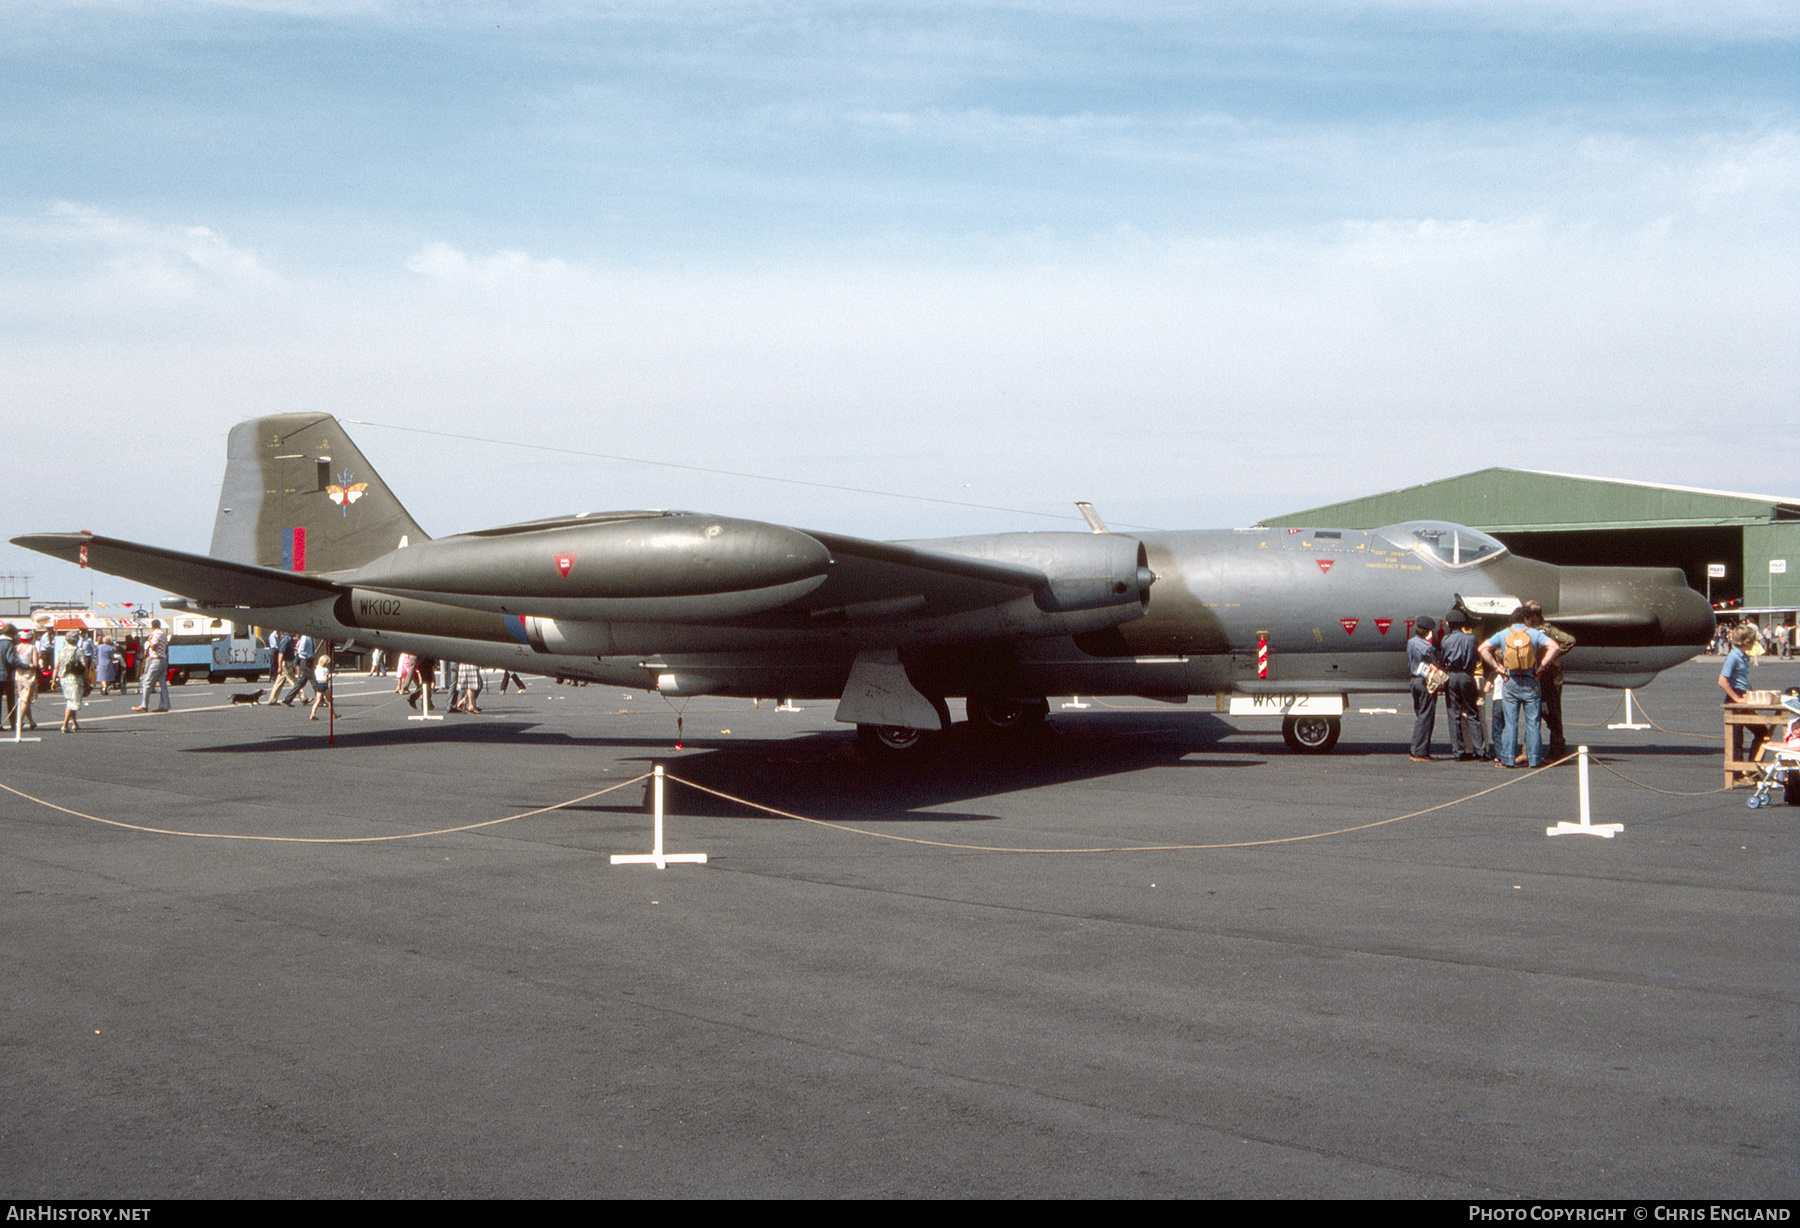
820, 773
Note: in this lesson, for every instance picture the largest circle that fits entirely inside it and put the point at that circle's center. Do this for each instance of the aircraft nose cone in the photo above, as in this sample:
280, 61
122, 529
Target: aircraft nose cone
1634, 605
1685, 616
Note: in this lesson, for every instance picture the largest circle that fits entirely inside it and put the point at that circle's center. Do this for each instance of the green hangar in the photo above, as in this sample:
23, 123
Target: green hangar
1738, 548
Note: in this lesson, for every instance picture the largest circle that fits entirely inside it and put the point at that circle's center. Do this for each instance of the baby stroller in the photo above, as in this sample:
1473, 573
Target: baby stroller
1780, 760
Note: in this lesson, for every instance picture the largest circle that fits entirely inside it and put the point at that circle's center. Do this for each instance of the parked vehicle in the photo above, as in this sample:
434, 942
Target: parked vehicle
214, 649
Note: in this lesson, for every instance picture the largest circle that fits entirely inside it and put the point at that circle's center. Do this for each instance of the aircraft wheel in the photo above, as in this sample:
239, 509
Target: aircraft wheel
1006, 716
895, 743
1311, 735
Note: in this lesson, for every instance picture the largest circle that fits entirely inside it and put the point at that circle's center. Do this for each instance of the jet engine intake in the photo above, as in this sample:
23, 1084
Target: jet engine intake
1094, 571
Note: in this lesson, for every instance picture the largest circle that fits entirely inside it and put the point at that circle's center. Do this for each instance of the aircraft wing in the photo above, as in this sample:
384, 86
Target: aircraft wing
208, 581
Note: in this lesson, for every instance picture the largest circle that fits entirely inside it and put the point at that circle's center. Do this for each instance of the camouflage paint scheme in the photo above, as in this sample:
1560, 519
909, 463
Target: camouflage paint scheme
309, 538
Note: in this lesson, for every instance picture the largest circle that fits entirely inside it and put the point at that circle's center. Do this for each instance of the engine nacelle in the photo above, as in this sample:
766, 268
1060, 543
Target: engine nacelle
1087, 571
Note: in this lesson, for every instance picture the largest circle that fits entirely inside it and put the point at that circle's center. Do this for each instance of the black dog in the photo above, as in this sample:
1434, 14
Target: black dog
248, 697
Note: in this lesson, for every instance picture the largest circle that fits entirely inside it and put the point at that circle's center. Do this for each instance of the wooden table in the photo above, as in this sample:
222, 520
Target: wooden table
1762, 716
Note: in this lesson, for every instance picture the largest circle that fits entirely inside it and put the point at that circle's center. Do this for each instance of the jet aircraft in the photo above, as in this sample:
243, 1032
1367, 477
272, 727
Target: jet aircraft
1290, 622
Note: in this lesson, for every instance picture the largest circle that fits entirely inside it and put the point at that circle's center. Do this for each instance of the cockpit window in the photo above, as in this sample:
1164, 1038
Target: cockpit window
1451, 545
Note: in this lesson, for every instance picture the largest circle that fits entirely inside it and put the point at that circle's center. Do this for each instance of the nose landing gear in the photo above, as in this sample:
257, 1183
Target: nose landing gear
1311, 735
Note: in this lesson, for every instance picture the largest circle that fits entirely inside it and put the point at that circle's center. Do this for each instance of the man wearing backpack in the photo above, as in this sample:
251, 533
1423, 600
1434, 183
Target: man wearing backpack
1516, 655
1550, 678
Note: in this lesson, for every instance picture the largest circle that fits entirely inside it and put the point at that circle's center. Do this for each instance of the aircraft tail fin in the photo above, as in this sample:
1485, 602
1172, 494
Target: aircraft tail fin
299, 496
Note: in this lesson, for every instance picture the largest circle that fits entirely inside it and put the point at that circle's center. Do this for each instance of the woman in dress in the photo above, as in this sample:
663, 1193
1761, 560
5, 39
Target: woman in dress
468, 682
25, 679
106, 665
71, 673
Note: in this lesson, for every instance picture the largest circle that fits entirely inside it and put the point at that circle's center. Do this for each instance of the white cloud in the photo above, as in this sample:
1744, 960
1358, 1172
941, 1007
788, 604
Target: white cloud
444, 263
124, 262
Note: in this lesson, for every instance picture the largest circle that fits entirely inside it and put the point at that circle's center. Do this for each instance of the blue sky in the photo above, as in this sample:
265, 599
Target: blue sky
1197, 263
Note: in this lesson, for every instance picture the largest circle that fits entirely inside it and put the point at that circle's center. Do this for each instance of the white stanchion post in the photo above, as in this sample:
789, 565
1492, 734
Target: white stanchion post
656, 856
1074, 703
1585, 827
1629, 722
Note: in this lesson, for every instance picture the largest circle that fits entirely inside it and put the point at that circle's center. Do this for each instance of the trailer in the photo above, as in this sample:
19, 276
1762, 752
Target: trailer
214, 649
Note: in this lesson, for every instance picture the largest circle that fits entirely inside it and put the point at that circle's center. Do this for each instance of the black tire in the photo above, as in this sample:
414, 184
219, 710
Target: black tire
1311, 735
896, 743
996, 717
1792, 793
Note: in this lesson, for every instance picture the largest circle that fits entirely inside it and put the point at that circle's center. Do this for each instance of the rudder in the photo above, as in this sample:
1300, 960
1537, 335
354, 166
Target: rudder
300, 496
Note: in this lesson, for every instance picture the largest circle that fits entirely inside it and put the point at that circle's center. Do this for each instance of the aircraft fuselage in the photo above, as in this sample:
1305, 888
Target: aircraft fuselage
1334, 607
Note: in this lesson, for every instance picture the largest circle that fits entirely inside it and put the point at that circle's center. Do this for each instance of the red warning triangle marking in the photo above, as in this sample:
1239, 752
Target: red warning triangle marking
1349, 625
563, 563
1382, 625
1325, 564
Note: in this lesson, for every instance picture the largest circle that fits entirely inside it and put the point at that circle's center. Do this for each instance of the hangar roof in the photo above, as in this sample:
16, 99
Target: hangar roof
1519, 500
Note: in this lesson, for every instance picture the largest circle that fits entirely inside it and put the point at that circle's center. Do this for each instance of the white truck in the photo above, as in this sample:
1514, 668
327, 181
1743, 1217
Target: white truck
214, 649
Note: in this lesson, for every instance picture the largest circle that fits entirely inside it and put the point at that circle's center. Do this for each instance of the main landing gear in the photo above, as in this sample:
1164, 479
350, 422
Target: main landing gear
903, 743
896, 743
989, 719
1006, 717
1311, 735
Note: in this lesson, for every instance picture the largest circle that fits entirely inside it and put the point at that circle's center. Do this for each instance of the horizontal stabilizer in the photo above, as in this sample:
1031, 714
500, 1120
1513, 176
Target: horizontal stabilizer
208, 581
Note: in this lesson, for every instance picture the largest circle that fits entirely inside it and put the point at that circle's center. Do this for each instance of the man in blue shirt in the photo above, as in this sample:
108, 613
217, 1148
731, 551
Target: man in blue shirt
1459, 656
1421, 656
304, 651
1515, 656
1734, 680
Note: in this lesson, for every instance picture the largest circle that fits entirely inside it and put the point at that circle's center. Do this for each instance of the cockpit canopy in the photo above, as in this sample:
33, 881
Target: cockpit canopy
1446, 544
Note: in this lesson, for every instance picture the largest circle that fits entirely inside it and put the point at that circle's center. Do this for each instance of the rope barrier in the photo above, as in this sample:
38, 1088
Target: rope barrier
1126, 848
1665, 792
414, 835
878, 835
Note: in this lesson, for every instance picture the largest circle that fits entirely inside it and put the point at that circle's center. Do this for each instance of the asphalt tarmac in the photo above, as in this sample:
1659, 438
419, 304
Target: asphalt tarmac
1451, 1005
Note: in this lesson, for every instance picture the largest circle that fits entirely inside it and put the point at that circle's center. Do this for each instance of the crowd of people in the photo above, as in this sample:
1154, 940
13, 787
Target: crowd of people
300, 668
1774, 640
75, 662
1519, 668
297, 663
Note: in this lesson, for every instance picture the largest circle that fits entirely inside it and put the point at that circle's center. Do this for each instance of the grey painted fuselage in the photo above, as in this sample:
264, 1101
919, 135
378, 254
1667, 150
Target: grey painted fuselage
1335, 609
308, 538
